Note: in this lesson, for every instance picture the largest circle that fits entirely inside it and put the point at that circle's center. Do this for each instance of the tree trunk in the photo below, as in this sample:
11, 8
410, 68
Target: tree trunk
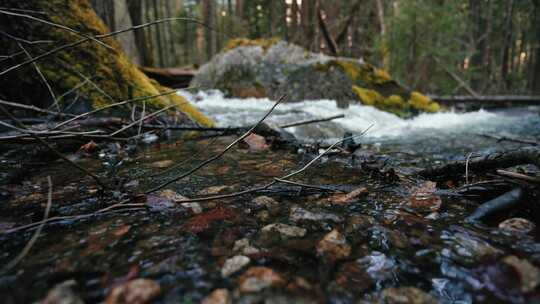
73, 58
536, 75
507, 44
208, 10
136, 13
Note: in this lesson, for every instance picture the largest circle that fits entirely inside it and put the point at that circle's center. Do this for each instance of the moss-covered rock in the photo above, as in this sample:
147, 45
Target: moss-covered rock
251, 68
102, 75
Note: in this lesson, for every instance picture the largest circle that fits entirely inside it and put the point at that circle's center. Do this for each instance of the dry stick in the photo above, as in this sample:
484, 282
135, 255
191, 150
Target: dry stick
38, 70
58, 26
113, 105
276, 179
140, 120
52, 149
32, 108
520, 176
36, 234
305, 122
206, 162
78, 42
74, 217
467, 168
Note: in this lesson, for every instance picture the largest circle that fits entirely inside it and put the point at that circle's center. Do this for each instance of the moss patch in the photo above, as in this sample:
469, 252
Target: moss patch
264, 43
113, 76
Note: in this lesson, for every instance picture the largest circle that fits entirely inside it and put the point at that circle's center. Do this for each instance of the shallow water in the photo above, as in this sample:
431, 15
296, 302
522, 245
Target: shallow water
392, 244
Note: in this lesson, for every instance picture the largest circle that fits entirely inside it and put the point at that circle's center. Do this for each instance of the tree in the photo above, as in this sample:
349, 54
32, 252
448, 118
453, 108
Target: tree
74, 58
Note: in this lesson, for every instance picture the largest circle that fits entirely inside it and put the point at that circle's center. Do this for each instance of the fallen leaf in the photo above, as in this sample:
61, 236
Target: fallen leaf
89, 147
202, 222
343, 199
423, 198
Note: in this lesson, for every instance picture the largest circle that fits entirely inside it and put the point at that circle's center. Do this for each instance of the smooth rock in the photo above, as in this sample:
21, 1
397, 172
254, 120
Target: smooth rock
299, 214
258, 278
218, 296
529, 275
334, 246
233, 265
244, 246
63, 293
138, 291
265, 201
406, 295
517, 225
285, 230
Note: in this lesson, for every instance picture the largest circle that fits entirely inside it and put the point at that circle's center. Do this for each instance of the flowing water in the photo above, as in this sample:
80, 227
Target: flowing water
391, 243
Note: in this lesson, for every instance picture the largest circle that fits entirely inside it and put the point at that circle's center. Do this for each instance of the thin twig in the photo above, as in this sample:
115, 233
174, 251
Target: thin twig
58, 26
123, 102
276, 180
33, 108
140, 120
305, 122
519, 176
36, 234
467, 168
220, 154
38, 70
101, 36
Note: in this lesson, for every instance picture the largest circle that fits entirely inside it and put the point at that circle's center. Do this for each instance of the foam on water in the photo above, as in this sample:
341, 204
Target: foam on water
243, 112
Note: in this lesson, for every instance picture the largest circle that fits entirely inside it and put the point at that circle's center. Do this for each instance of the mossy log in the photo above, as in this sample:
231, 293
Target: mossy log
101, 75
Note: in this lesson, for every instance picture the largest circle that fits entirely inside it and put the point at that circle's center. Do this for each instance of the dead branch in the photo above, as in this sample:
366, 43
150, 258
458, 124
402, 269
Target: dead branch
33, 108
305, 122
505, 159
140, 120
519, 176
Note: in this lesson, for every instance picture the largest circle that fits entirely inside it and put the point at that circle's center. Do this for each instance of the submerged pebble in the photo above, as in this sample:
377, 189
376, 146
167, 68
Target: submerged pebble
138, 291
406, 295
334, 246
233, 265
529, 275
285, 230
218, 296
517, 225
258, 278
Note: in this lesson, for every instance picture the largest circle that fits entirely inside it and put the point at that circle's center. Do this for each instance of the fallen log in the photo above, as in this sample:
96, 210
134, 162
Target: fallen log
488, 101
507, 201
496, 160
177, 78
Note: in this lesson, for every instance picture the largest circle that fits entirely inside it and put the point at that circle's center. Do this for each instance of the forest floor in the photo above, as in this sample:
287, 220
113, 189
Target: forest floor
345, 229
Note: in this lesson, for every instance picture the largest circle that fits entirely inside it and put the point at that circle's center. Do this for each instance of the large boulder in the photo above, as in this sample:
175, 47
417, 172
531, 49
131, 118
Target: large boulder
271, 68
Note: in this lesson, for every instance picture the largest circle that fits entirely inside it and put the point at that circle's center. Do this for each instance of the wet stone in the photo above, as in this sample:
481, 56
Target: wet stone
218, 296
529, 275
299, 215
244, 246
138, 291
63, 293
334, 246
256, 279
377, 265
233, 265
466, 248
406, 295
517, 226
359, 222
284, 230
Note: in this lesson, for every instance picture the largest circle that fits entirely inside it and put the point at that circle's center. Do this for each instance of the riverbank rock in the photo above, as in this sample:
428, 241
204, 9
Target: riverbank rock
256, 279
271, 68
334, 246
234, 264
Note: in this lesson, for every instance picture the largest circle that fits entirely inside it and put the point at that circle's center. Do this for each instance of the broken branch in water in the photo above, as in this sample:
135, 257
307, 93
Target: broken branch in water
217, 156
36, 234
305, 122
525, 155
506, 201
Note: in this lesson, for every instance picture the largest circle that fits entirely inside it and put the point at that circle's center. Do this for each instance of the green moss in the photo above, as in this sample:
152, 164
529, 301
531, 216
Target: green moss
109, 69
265, 43
423, 103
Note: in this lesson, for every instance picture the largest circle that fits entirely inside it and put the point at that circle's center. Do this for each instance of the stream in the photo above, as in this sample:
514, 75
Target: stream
331, 248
